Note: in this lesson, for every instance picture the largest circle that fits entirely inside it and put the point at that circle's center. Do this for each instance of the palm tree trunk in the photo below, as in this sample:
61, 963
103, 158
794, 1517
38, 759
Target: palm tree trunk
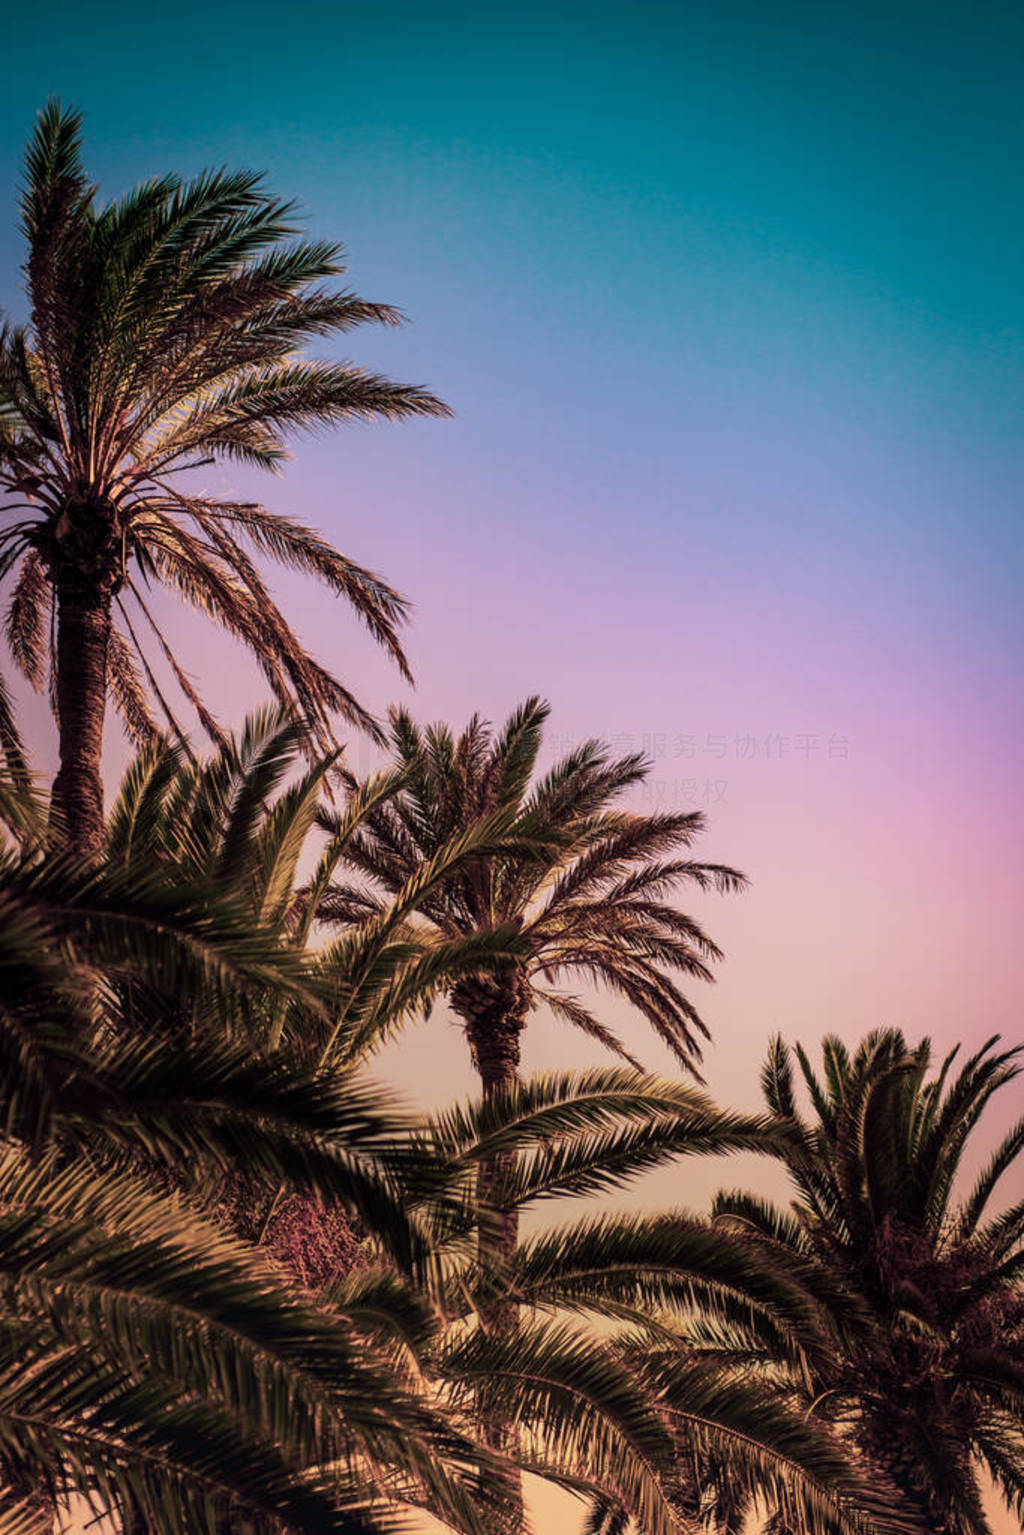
496, 1051
83, 642
494, 1038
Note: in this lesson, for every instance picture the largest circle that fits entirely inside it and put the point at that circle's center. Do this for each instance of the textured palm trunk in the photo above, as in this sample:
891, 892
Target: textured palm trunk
496, 1051
83, 643
494, 1012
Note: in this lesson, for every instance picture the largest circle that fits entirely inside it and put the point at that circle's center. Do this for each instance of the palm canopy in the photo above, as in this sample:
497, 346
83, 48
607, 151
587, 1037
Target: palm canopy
582, 881
570, 1371
904, 1323
243, 822
175, 1375
166, 1371
167, 331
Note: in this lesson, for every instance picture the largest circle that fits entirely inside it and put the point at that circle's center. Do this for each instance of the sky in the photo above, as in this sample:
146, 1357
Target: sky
727, 299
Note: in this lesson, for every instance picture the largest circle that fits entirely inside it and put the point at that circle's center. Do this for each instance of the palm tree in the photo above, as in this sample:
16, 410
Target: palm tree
149, 1362
898, 1304
581, 882
166, 332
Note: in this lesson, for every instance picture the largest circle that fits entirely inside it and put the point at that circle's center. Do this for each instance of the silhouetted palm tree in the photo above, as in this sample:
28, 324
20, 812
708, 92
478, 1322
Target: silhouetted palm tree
581, 882
595, 1300
166, 332
898, 1311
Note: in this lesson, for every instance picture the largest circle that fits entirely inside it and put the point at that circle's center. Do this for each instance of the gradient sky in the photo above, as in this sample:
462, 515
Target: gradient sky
728, 300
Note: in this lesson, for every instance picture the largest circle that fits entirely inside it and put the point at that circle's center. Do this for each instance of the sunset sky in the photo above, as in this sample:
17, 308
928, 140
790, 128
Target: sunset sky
728, 300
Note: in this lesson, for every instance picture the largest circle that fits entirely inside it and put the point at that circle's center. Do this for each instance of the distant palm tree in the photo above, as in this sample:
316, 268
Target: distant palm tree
583, 881
891, 1301
580, 882
166, 332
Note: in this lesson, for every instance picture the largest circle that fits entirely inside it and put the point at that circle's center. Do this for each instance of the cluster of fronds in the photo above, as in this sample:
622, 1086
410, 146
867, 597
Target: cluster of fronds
585, 882
167, 331
881, 1301
241, 1286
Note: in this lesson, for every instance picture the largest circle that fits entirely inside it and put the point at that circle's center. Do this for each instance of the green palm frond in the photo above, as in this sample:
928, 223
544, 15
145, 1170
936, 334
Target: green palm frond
578, 1133
924, 1304
674, 1264
585, 1419
167, 328
771, 1448
587, 882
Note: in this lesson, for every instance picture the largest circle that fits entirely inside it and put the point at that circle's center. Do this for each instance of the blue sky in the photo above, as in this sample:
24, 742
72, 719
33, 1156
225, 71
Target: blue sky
728, 301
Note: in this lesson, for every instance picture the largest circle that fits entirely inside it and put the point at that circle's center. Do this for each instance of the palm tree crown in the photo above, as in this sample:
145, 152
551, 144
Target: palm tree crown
582, 881
898, 1312
166, 332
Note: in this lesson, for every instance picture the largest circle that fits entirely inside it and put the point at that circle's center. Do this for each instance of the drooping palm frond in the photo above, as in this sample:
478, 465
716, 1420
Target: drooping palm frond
924, 1372
167, 331
586, 1132
610, 1417
160, 1364
150, 1363
766, 1447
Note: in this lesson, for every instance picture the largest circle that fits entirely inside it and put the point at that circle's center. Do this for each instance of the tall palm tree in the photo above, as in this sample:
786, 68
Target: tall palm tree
166, 332
898, 1308
582, 881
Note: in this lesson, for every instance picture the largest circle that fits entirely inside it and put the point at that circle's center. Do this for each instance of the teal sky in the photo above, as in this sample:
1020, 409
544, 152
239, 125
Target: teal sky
736, 257
728, 300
